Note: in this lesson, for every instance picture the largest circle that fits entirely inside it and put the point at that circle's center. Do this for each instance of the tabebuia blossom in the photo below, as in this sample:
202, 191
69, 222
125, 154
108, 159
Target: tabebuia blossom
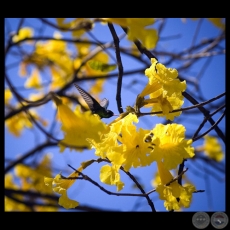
164, 90
175, 195
170, 146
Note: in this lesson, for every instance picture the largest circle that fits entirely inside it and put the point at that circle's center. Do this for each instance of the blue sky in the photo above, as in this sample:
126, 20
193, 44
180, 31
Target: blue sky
212, 83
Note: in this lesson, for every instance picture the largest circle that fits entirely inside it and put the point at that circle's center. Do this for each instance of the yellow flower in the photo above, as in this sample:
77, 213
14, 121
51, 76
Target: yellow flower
107, 144
23, 33
17, 123
175, 195
67, 203
34, 81
110, 175
61, 185
169, 144
11, 205
164, 90
54, 55
124, 145
30, 179
137, 30
211, 148
136, 151
8, 96
148, 37
156, 179
78, 126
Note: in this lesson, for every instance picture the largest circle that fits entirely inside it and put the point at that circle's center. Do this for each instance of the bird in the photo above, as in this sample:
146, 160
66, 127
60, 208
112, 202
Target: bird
95, 107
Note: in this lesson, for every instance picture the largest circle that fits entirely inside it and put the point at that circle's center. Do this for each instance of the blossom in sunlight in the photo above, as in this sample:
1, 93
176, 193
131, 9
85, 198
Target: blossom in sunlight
110, 175
11, 205
34, 81
107, 144
67, 203
175, 195
8, 96
137, 29
55, 56
156, 179
23, 33
17, 123
31, 179
164, 90
78, 126
211, 148
60, 185
170, 146
136, 151
124, 145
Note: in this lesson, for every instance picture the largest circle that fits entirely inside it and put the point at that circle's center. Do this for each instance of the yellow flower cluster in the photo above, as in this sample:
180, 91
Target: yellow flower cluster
164, 90
137, 30
120, 143
31, 179
175, 195
60, 186
211, 148
124, 146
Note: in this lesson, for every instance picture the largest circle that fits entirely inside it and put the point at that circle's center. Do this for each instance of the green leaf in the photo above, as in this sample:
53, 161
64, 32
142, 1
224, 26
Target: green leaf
98, 65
